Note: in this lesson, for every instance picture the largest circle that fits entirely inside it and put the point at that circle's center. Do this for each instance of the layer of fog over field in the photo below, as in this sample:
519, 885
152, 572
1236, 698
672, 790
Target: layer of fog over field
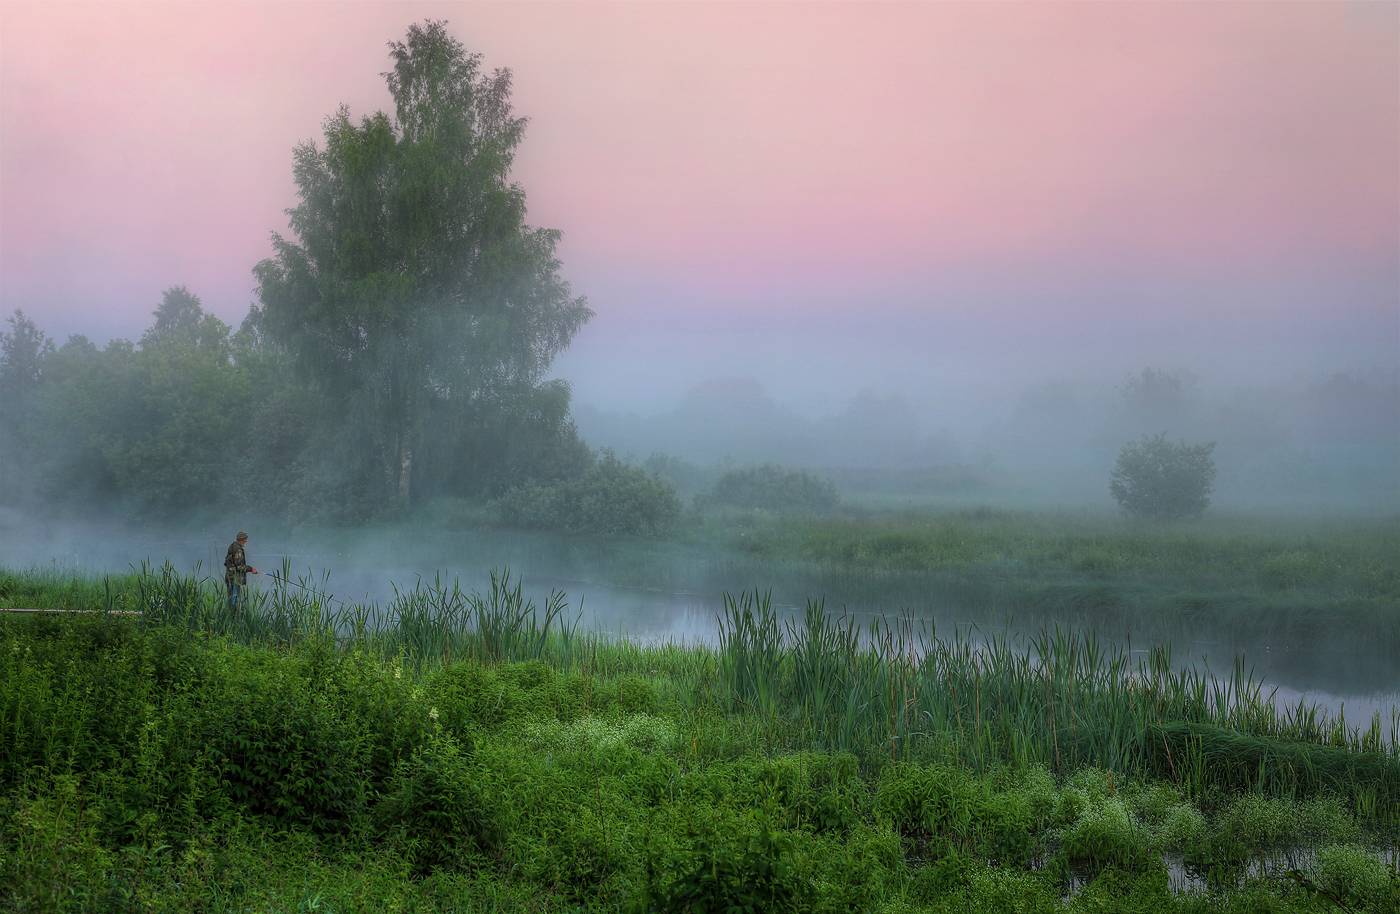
1291, 444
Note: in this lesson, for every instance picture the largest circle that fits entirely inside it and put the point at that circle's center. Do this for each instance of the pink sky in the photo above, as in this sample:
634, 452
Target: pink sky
729, 164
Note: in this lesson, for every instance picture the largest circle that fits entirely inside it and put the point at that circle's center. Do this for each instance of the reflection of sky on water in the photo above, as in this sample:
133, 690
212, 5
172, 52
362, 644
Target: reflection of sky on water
669, 594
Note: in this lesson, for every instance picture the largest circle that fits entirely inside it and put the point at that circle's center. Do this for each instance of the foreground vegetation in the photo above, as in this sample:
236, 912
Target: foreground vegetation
466, 752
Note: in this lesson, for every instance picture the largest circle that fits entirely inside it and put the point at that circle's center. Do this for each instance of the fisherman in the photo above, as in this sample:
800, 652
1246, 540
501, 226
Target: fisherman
236, 568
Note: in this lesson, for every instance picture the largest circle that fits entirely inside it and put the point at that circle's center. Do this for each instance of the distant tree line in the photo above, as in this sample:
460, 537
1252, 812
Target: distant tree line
196, 416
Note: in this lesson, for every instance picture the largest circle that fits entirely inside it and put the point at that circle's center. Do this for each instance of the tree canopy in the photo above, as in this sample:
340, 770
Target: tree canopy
415, 296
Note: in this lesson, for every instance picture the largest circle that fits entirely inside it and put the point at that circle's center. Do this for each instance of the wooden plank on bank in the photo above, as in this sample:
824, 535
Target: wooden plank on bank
81, 612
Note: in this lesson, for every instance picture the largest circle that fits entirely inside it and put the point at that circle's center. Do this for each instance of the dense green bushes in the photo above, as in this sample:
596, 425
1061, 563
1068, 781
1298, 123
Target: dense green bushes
611, 497
1160, 481
433, 808
771, 488
169, 426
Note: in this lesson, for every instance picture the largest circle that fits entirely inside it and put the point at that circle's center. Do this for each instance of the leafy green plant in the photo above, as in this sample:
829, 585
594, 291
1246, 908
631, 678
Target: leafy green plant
433, 806
750, 873
1106, 835
1351, 878
1218, 858
54, 856
287, 749
1155, 479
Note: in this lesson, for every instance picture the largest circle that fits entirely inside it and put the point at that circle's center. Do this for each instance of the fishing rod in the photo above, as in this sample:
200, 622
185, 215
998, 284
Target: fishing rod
324, 596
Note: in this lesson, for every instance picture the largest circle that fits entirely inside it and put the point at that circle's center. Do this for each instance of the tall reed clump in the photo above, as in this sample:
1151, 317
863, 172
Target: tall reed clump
428, 624
1059, 699
432, 623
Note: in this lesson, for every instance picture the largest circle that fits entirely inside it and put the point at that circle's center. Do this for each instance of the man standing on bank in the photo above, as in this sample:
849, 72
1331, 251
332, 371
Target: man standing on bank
237, 569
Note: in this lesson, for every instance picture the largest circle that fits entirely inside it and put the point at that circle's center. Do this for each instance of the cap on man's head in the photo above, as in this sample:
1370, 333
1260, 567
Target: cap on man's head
241, 536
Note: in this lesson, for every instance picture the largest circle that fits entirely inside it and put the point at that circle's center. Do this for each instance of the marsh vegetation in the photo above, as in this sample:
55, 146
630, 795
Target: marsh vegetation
458, 750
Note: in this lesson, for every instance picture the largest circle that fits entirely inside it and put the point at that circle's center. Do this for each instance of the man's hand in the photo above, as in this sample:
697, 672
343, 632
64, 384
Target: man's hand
252, 571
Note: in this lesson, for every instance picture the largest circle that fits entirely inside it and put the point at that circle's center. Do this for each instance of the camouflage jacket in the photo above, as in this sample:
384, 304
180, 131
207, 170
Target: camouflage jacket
236, 565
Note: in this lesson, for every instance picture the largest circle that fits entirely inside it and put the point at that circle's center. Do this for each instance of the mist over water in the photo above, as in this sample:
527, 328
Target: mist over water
655, 592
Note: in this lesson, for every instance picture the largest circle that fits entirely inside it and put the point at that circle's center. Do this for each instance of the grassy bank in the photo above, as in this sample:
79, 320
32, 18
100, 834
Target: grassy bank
471, 752
1324, 583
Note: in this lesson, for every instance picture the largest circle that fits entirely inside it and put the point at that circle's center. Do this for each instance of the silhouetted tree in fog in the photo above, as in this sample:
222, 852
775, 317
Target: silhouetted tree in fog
415, 296
22, 354
180, 312
1155, 479
1155, 395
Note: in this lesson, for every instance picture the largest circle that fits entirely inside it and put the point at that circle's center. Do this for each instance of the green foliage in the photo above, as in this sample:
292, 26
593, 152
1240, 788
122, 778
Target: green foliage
1157, 480
955, 812
611, 497
639, 732
1357, 875
1218, 858
150, 427
417, 297
1228, 758
287, 752
56, 858
23, 354
751, 872
1104, 834
433, 806
1182, 827
163, 766
771, 488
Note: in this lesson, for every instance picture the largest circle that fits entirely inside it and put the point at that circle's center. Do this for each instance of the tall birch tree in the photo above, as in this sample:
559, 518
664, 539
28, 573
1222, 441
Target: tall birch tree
414, 287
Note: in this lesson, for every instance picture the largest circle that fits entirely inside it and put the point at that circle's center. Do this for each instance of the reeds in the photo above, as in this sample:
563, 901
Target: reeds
1059, 698
890, 689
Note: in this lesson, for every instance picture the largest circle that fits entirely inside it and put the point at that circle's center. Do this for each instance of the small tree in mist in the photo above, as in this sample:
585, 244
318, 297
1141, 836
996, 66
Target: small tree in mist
1156, 393
180, 313
1155, 479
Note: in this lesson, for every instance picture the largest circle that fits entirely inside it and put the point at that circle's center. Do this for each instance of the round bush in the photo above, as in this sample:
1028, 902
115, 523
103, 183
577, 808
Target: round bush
1157, 480
611, 497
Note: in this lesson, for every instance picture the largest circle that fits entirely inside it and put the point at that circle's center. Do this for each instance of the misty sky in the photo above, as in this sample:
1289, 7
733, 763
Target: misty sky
935, 197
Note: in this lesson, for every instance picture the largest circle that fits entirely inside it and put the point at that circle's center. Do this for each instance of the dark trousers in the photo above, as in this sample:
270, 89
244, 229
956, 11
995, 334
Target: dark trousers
233, 590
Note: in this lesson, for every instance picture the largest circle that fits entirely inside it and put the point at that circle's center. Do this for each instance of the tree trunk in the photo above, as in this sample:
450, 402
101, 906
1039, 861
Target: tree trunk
405, 460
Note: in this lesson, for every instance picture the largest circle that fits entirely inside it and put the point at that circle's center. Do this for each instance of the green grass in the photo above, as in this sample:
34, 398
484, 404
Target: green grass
1303, 581
457, 751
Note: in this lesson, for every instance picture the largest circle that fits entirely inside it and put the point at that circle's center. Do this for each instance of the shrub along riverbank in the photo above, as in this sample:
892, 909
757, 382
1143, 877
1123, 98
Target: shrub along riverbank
465, 752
